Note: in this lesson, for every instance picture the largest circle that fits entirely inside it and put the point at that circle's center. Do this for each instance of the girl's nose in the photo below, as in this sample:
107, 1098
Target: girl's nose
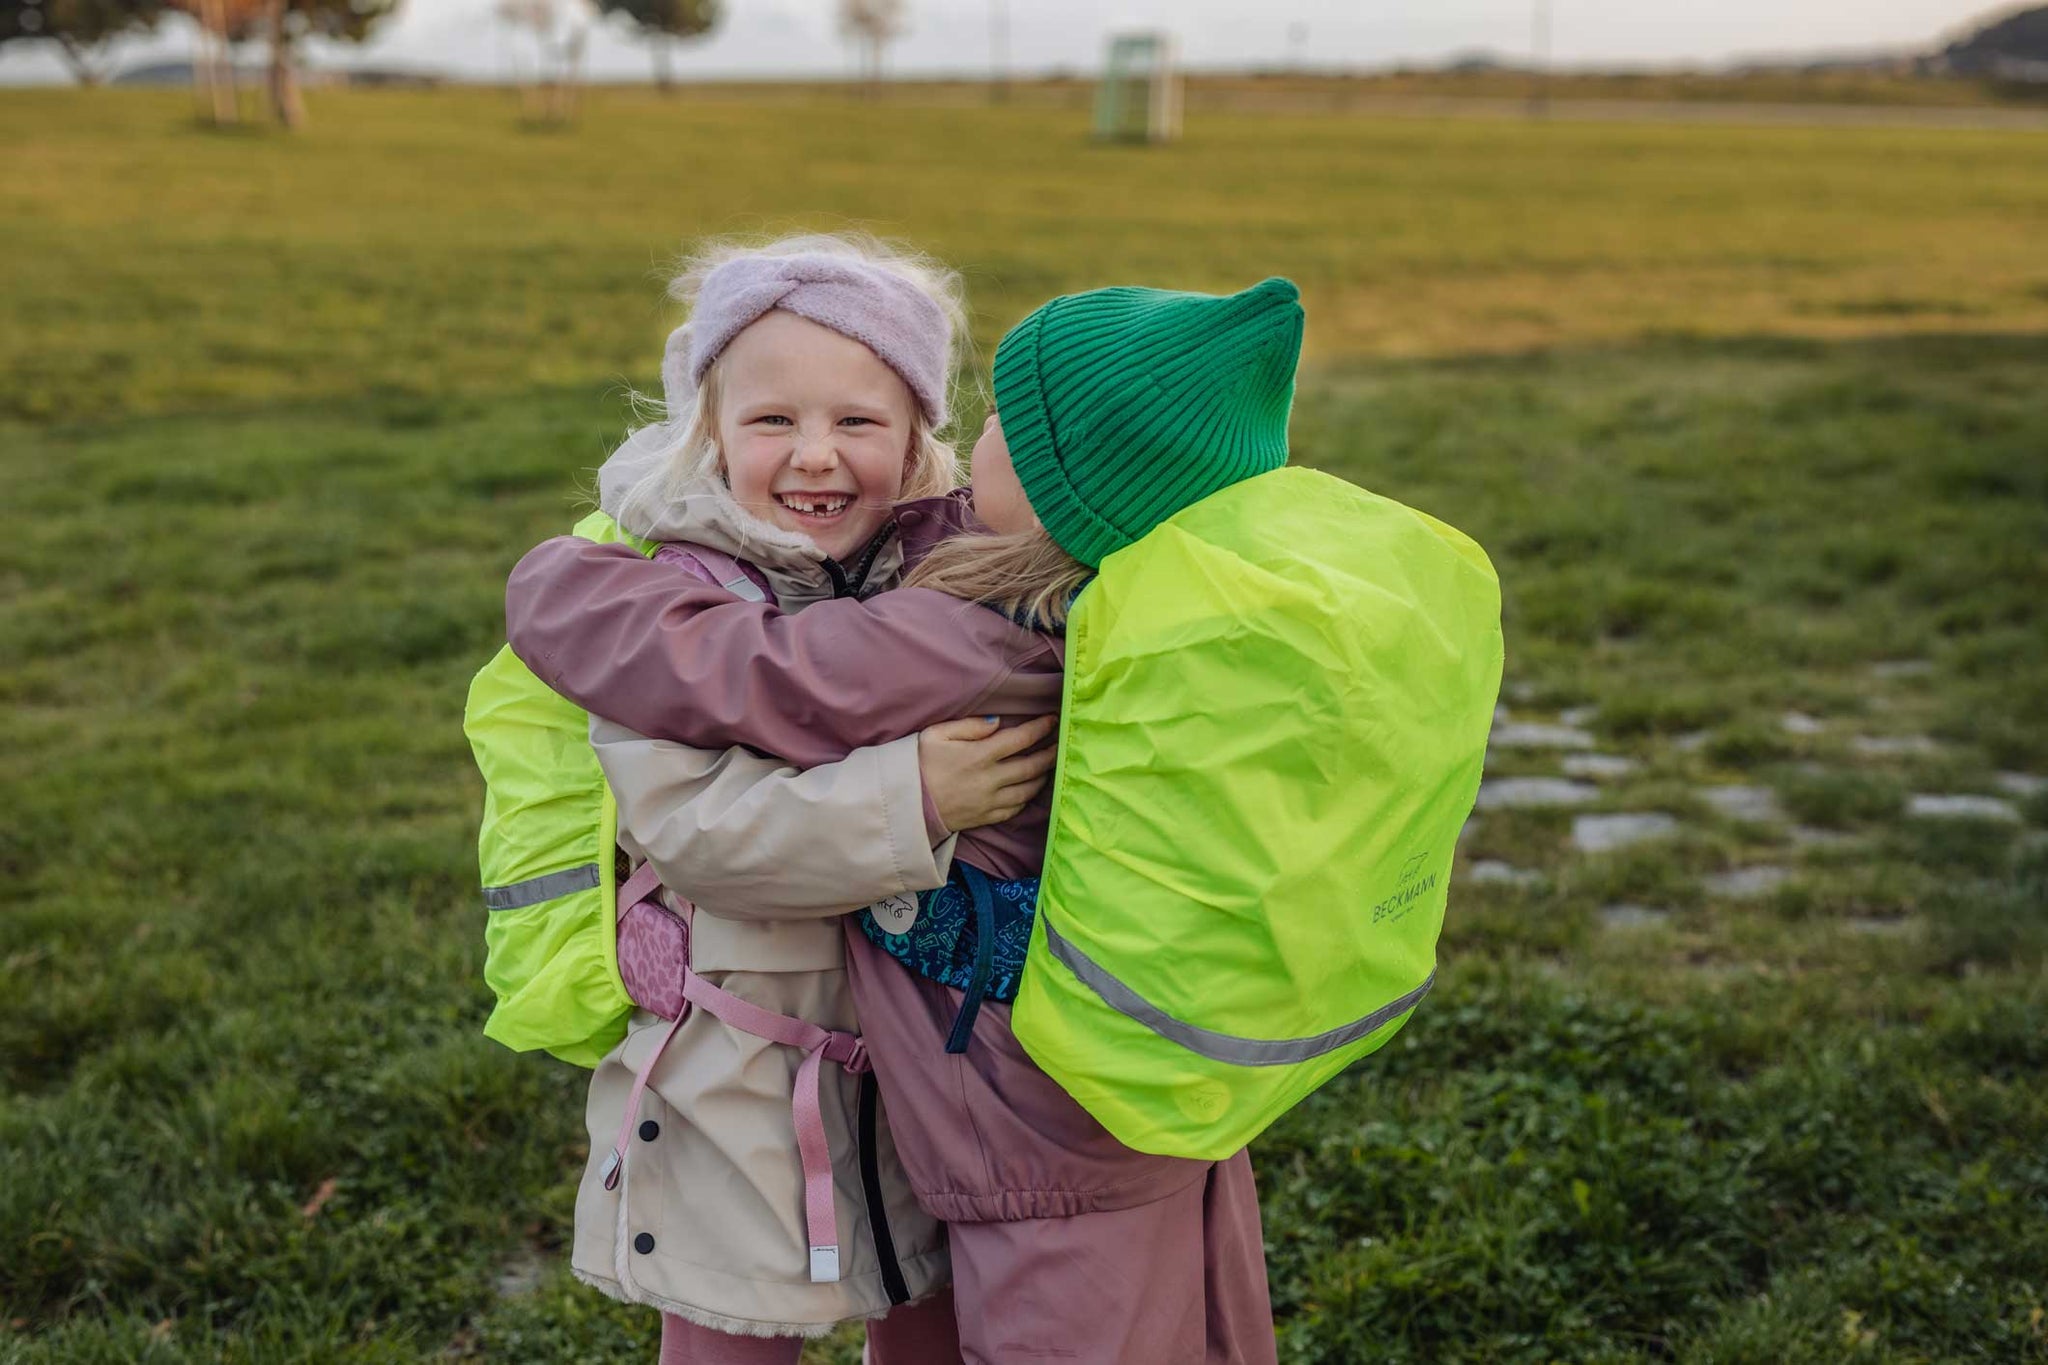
815, 454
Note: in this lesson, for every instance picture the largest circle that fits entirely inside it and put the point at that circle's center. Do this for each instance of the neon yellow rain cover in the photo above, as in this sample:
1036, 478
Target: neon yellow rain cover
1275, 719
546, 855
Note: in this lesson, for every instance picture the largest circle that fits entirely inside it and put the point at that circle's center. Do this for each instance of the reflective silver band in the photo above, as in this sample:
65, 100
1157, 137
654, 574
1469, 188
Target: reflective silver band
538, 889
1223, 1047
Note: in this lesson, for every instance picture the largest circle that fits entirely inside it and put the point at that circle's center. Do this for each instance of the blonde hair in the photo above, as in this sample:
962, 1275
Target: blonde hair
1025, 576
684, 429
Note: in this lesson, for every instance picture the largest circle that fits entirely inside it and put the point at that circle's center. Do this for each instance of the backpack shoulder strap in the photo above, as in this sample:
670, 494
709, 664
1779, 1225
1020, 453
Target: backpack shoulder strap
715, 566
819, 1045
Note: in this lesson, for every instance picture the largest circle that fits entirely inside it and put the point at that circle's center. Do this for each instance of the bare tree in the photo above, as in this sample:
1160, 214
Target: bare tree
81, 29
222, 25
550, 97
873, 25
283, 23
665, 23
291, 20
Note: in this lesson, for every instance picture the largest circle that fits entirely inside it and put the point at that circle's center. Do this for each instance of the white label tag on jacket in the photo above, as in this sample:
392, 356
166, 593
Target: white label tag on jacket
896, 914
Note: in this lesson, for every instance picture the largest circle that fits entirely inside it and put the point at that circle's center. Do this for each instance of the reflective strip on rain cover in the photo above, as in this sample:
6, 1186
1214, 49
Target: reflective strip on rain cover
522, 894
1275, 718
1222, 1047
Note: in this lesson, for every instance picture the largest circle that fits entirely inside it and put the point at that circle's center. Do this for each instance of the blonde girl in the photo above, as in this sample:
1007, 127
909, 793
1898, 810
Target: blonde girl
805, 397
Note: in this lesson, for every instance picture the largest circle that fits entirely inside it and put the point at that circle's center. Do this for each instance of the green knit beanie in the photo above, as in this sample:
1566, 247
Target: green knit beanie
1122, 406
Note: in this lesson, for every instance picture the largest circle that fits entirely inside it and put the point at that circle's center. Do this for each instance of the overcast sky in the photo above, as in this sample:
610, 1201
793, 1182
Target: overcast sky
801, 37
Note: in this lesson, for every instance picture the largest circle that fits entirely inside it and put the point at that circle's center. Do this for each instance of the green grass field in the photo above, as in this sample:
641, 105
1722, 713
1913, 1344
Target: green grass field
1753, 420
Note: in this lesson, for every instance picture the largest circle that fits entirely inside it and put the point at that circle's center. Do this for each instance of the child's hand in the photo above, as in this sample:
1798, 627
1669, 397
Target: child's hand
976, 774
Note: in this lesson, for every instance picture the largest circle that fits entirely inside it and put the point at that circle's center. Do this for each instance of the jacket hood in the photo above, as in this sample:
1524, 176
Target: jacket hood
705, 513
922, 524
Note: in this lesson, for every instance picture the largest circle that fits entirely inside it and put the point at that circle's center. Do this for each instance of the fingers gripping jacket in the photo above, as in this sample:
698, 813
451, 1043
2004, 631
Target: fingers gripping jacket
819, 1045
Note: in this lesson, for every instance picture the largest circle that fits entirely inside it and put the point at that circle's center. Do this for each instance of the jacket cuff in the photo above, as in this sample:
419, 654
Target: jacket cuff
909, 820
934, 827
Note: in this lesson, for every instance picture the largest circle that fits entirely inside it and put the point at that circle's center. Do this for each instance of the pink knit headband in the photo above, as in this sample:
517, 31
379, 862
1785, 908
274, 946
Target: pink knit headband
876, 307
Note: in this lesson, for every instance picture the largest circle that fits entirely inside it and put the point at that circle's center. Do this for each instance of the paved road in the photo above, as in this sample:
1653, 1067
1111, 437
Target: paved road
1627, 111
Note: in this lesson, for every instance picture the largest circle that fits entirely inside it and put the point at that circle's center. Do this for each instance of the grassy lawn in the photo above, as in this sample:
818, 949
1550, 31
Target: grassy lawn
420, 244
1753, 420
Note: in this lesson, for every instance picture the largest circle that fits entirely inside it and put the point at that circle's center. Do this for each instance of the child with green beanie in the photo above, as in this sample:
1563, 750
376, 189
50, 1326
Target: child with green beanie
1115, 409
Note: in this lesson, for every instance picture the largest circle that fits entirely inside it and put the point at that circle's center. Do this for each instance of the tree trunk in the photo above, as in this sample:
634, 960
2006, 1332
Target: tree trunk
82, 68
285, 104
214, 61
573, 76
201, 70
999, 51
664, 77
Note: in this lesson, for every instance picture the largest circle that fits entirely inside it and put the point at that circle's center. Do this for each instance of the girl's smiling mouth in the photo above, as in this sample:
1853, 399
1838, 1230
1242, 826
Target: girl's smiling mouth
815, 507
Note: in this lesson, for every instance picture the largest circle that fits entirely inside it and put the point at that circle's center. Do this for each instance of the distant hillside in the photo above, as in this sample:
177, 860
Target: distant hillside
2011, 48
252, 73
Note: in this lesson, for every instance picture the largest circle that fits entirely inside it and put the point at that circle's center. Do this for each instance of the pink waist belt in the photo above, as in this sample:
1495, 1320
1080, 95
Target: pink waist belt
657, 944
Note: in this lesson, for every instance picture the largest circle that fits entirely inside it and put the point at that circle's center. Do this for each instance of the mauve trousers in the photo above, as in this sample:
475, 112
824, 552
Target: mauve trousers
1173, 1274
920, 1333
1178, 1281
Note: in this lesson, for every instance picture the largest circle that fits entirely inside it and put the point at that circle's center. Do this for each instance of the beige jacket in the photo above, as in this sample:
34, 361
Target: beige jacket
707, 1219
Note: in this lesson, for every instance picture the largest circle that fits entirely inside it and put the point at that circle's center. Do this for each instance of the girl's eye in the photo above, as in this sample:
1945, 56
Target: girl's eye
857, 421
773, 419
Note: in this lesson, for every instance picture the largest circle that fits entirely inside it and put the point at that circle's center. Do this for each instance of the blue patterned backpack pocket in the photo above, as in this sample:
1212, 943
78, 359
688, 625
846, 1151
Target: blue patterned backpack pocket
970, 934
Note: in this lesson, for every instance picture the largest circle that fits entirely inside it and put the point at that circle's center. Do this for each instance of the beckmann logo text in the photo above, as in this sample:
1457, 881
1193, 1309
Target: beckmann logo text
1408, 892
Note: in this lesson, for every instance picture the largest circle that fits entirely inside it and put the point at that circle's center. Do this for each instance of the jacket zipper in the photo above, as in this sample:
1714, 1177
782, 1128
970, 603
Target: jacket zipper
870, 1094
871, 1167
871, 1187
842, 586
